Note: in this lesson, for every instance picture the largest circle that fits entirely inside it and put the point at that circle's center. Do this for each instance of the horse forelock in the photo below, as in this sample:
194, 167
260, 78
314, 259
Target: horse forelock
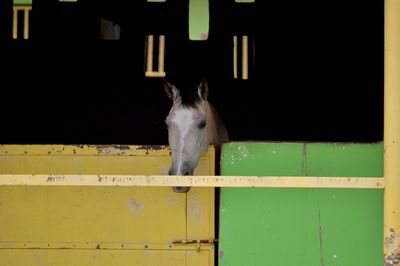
190, 98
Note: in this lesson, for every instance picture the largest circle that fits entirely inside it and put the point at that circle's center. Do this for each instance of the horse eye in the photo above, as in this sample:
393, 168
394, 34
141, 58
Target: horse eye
202, 124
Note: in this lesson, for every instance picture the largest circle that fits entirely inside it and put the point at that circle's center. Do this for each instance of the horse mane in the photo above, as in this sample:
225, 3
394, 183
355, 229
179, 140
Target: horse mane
217, 133
189, 98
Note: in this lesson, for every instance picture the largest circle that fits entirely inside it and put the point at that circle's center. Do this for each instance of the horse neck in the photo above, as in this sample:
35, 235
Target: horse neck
216, 130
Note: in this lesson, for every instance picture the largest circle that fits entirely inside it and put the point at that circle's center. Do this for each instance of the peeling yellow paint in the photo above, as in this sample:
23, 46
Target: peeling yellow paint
392, 243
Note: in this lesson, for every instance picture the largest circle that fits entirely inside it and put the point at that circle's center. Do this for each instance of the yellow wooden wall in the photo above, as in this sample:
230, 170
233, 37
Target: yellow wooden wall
89, 225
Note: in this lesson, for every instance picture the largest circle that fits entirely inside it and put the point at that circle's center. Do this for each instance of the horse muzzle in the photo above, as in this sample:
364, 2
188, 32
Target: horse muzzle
183, 172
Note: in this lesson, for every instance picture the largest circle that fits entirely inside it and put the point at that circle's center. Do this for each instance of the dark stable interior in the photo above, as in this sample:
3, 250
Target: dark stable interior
316, 73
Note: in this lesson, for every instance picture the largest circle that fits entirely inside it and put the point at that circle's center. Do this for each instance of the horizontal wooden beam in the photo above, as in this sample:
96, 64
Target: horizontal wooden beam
102, 245
192, 181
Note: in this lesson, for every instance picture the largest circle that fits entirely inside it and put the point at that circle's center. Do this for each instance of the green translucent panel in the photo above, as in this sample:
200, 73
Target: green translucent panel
198, 19
29, 2
23, 2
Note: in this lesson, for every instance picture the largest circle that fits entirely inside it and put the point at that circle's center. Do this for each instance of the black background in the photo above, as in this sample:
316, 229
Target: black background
317, 72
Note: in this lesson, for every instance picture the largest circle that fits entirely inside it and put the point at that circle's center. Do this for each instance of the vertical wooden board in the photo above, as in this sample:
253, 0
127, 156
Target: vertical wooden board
349, 218
257, 158
344, 159
268, 227
350, 223
304, 227
200, 203
200, 213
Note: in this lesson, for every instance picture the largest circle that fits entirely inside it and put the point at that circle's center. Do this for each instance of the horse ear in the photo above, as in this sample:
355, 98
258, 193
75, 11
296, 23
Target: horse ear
171, 91
202, 89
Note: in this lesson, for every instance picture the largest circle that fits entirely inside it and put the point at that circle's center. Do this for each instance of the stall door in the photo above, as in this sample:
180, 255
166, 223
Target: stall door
143, 226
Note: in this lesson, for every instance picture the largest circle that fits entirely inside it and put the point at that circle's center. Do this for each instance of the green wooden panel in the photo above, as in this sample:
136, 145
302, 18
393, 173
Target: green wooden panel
337, 159
255, 158
198, 20
23, 2
302, 227
264, 227
29, 2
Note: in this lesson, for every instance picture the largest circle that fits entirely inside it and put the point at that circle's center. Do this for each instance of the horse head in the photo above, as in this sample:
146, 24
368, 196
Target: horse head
188, 128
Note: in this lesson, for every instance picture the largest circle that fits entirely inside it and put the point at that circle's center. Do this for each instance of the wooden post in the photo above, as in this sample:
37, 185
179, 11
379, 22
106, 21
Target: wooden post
392, 134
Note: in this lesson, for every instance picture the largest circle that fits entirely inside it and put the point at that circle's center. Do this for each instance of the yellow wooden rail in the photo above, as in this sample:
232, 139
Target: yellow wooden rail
192, 181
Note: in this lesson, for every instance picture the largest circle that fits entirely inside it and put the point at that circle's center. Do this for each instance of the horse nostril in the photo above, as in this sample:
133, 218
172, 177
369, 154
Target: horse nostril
170, 172
186, 173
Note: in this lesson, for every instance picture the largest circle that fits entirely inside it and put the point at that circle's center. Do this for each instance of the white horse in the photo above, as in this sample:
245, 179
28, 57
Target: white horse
193, 124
